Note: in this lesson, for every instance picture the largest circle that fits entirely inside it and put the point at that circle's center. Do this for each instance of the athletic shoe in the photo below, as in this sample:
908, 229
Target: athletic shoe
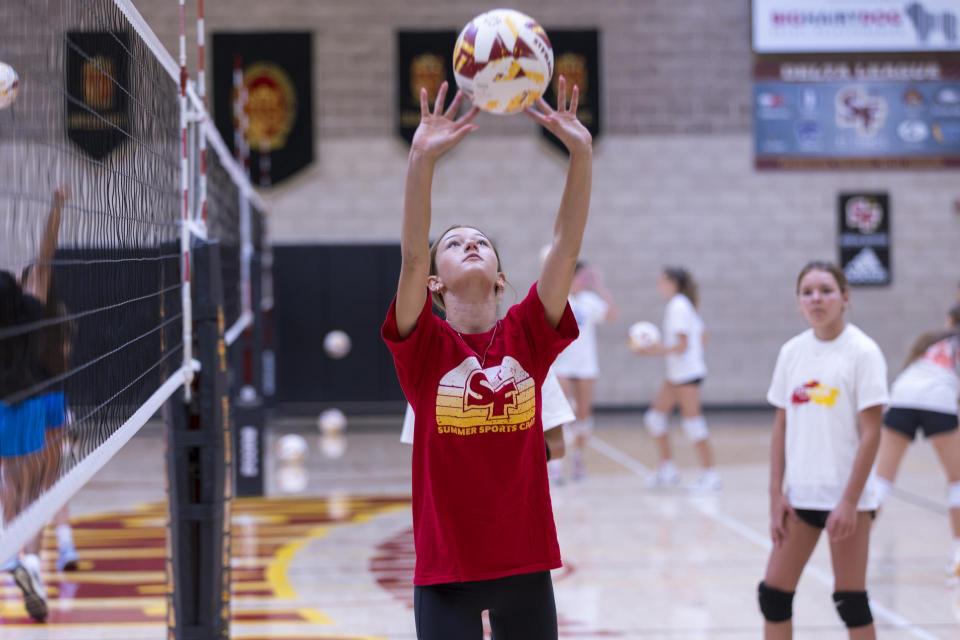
34, 595
67, 557
663, 478
708, 482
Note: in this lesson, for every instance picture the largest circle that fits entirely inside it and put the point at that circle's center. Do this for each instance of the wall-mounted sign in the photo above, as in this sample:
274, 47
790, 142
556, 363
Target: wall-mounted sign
817, 114
832, 26
278, 75
864, 238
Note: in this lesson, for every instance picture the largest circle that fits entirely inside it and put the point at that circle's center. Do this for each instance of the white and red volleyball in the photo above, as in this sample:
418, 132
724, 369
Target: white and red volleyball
643, 334
503, 61
9, 85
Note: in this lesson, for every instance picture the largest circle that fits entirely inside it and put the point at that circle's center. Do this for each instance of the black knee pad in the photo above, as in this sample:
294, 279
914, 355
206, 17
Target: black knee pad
775, 605
853, 607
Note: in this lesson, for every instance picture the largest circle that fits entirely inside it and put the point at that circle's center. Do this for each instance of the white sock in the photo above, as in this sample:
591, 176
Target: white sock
64, 535
31, 561
710, 472
668, 468
883, 487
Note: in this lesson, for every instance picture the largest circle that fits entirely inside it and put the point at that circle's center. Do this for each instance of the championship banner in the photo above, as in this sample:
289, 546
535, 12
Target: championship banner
840, 26
424, 59
97, 117
576, 56
278, 76
864, 238
870, 113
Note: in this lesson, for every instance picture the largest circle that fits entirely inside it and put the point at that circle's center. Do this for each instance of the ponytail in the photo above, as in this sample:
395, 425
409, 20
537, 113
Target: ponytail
684, 282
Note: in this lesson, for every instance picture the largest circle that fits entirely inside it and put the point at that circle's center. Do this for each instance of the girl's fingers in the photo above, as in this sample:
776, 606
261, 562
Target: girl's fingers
454, 106
468, 116
441, 96
575, 100
424, 109
463, 132
562, 94
543, 107
537, 116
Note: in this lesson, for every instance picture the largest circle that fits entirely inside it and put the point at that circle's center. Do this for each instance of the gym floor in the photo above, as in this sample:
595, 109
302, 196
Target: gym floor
329, 553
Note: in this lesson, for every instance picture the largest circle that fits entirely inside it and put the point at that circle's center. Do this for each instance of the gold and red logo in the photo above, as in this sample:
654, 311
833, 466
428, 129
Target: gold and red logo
427, 71
474, 401
271, 106
98, 83
573, 67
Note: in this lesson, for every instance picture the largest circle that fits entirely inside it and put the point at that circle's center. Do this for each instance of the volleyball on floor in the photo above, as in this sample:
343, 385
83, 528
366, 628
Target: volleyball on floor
644, 334
9, 85
291, 448
337, 344
503, 61
332, 421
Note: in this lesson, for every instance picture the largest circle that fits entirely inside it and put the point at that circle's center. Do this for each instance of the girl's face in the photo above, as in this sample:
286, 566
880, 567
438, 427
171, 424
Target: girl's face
666, 287
465, 255
822, 303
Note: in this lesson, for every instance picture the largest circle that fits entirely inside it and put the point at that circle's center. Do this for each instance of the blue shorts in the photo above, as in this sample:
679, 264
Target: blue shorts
23, 425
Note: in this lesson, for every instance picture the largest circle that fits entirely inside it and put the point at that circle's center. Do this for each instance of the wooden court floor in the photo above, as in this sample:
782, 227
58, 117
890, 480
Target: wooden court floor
329, 553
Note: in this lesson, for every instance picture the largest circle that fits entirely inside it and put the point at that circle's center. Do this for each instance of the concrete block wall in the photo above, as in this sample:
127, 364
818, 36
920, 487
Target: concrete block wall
674, 179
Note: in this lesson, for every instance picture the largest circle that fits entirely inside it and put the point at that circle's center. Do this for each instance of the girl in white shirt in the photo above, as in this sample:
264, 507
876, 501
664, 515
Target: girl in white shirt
577, 366
829, 388
682, 349
924, 398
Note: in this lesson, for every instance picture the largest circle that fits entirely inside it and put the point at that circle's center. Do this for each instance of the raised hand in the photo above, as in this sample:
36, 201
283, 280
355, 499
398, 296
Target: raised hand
563, 122
439, 131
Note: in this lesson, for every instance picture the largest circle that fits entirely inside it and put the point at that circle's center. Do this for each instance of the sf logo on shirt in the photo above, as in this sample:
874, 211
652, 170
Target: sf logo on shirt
816, 393
473, 401
480, 393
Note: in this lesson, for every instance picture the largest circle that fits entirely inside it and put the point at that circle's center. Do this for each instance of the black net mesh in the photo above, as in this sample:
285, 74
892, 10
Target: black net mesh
223, 223
89, 236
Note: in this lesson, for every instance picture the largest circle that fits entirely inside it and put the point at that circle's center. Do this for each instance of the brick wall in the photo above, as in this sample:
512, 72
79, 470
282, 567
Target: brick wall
674, 179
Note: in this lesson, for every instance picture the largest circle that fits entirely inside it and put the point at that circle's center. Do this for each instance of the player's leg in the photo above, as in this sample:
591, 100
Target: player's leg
656, 421
695, 426
849, 558
784, 567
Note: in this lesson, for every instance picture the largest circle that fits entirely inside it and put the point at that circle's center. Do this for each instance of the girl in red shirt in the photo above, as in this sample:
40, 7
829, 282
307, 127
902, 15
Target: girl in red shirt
482, 517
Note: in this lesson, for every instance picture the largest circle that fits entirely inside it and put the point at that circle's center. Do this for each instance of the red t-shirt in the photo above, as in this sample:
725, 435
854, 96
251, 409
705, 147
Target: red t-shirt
481, 498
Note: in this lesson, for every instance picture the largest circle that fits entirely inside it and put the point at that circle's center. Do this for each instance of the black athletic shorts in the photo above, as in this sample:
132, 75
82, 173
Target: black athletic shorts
909, 421
521, 607
818, 519
694, 381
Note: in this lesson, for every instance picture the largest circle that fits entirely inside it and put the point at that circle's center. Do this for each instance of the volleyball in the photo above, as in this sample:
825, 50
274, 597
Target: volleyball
9, 85
291, 448
333, 445
292, 478
644, 334
337, 344
332, 421
503, 61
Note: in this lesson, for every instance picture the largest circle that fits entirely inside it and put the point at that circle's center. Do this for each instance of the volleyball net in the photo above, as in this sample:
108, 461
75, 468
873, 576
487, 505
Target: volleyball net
111, 177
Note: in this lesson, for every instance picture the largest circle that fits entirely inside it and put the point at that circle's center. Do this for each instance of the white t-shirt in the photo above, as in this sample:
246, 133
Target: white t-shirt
579, 359
822, 386
556, 408
682, 317
932, 381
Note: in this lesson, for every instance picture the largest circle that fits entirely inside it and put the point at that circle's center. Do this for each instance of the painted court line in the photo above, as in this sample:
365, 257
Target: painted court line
824, 577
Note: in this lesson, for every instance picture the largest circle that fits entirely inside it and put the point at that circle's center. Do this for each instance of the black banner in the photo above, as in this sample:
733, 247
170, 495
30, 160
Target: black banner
278, 75
864, 238
576, 56
98, 118
424, 59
